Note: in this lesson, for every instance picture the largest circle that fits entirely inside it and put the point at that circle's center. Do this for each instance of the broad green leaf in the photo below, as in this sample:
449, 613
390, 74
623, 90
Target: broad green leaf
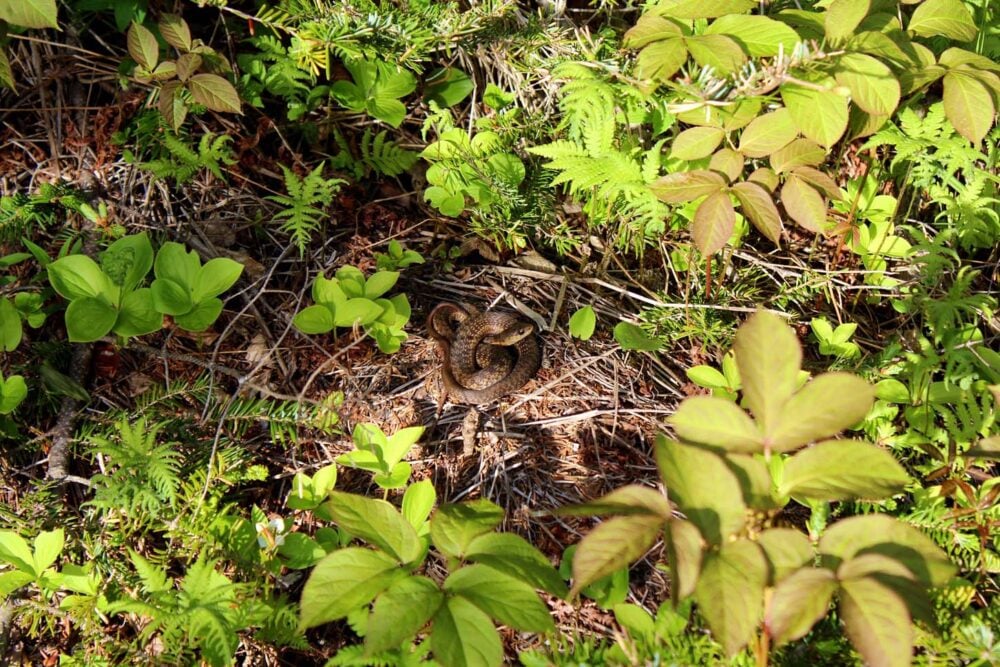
867, 564
400, 442
344, 581
804, 204
800, 152
170, 297
582, 323
464, 636
214, 92
503, 597
968, 104
877, 533
727, 162
843, 16
127, 261
12, 580
696, 143
387, 109
30, 13
377, 522
765, 176
6, 73
719, 52
842, 470
453, 527
713, 223
730, 592
950, 18
48, 546
630, 499
955, 57
760, 36
650, 28
448, 86
685, 546
418, 501
769, 357
754, 479
173, 261
175, 32
201, 316
820, 115
706, 376
877, 621
379, 283
400, 612
13, 391
15, 550
513, 555
215, 277
767, 133
703, 486
142, 46
10, 326
823, 408
314, 320
820, 181
636, 621
356, 311
702, 9
631, 337
612, 545
718, 422
873, 86
758, 207
89, 319
77, 276
681, 187
660, 60
786, 550
138, 315
799, 601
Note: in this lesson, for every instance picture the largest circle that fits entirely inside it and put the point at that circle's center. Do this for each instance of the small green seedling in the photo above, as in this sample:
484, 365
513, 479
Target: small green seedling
582, 323
381, 454
308, 492
188, 290
397, 257
835, 342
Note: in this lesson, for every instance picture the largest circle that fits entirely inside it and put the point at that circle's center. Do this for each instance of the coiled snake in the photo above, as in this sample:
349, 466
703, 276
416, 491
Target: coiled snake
486, 355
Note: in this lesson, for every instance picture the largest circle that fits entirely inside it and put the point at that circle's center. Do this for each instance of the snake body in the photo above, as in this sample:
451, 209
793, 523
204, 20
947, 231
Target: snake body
486, 355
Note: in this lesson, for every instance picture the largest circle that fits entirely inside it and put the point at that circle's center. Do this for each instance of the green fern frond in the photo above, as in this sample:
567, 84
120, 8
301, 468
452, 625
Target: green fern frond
301, 215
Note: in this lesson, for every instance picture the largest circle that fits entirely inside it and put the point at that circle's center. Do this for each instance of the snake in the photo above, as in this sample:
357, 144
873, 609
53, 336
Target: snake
486, 355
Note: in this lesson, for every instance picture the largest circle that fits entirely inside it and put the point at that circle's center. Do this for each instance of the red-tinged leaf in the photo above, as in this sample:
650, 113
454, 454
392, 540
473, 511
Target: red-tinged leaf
800, 152
820, 181
717, 422
768, 133
214, 92
730, 592
769, 357
804, 204
786, 550
878, 623
142, 46
799, 602
612, 545
682, 187
696, 143
713, 223
842, 470
685, 546
758, 207
823, 408
968, 104
821, 115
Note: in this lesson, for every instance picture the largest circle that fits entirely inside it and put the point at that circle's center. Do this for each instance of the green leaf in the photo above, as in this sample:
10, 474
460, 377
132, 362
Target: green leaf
12, 392
713, 223
786, 550
968, 104
816, 178
77, 276
10, 326
464, 636
718, 422
760, 36
142, 46
314, 320
800, 152
127, 261
138, 315
798, 603
6, 73
842, 470
48, 546
703, 486
877, 533
730, 592
630, 499
175, 32
214, 92
418, 501
824, 407
758, 207
170, 297
176, 263
873, 86
344, 581
708, 377
696, 143
702, 9
377, 522
681, 187
636, 621
448, 86
769, 357
878, 623
648, 29
754, 479
356, 311
513, 555
504, 598
767, 133
611, 546
400, 612
388, 110
89, 319
719, 52
685, 547
30, 13
727, 162
950, 18
843, 17
201, 316
379, 283
660, 60
821, 115
453, 527
582, 323
15, 550
804, 204
215, 277
631, 337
